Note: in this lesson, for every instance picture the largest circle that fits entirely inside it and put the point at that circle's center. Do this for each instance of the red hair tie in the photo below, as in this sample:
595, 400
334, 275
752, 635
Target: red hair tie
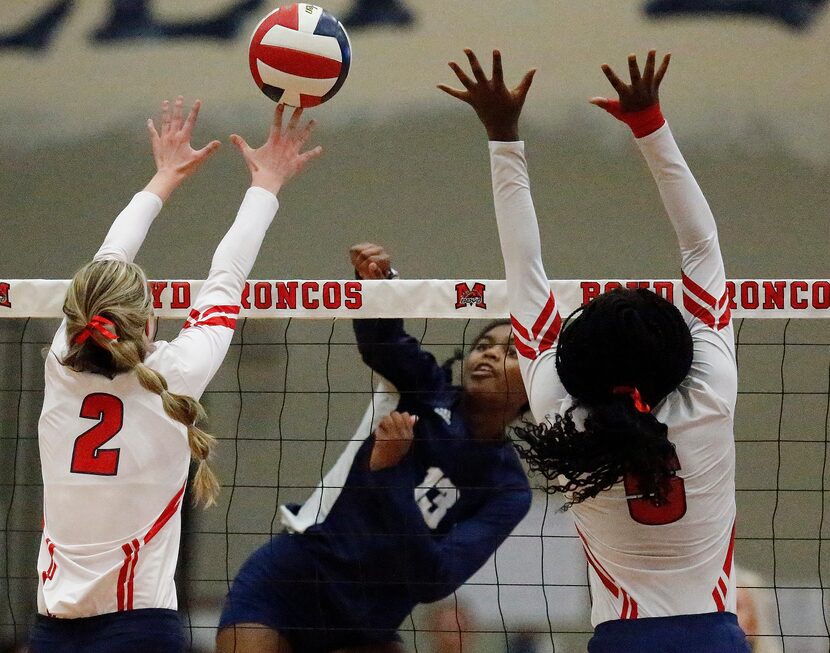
97, 323
632, 392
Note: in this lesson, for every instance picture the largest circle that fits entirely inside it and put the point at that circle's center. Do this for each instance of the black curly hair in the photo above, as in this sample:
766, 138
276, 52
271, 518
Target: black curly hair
623, 338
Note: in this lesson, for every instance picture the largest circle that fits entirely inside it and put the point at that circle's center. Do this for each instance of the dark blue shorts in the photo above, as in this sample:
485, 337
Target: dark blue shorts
714, 632
133, 631
281, 586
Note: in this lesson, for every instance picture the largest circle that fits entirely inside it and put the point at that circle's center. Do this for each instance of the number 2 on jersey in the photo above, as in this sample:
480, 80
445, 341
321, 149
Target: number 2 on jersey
87, 455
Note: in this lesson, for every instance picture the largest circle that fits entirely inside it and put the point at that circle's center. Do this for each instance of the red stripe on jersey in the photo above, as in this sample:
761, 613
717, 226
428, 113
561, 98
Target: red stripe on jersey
604, 576
718, 600
551, 335
698, 291
698, 311
544, 316
165, 515
49, 574
720, 591
122, 577
234, 310
296, 62
727, 565
723, 322
131, 579
520, 334
518, 329
218, 320
630, 610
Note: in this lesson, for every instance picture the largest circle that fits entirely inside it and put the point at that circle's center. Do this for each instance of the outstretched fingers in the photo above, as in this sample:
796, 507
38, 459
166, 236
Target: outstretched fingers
658, 77
524, 86
295, 119
165, 117
190, 123
475, 66
176, 123
462, 76
498, 71
634, 69
615, 81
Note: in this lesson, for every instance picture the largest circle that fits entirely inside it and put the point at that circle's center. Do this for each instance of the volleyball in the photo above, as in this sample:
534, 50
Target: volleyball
300, 55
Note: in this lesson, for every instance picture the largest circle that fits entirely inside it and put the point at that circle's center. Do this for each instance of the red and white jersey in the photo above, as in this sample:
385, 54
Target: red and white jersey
114, 464
644, 561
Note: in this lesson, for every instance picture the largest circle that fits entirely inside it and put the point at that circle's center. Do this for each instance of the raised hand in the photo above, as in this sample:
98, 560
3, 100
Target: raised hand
497, 106
641, 93
175, 158
393, 438
280, 158
371, 261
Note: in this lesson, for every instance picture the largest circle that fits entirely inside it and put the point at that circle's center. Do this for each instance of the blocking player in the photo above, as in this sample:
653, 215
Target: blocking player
422, 496
634, 400
119, 427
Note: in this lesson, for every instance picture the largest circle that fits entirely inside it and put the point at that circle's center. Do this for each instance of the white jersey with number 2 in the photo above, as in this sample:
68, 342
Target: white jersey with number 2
114, 465
644, 561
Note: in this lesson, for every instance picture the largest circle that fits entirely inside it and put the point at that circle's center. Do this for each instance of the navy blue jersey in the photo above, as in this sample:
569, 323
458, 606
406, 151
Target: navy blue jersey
417, 531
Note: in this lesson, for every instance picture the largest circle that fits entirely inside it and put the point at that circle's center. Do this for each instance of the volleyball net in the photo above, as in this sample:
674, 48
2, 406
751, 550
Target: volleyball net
292, 391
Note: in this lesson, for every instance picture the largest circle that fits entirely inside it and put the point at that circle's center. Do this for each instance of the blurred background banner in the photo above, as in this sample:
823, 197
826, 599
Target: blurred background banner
404, 165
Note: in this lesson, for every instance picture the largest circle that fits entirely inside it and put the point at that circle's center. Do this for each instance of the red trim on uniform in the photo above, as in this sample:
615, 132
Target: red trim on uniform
49, 574
229, 322
234, 309
700, 312
629, 609
551, 335
131, 579
126, 576
720, 591
698, 291
165, 516
725, 317
520, 334
544, 316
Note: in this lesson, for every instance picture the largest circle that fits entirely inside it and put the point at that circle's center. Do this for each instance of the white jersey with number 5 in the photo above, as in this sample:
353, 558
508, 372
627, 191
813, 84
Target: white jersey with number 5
114, 464
644, 561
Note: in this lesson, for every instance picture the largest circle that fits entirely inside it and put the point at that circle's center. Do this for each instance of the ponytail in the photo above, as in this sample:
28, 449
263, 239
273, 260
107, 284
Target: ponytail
617, 440
107, 308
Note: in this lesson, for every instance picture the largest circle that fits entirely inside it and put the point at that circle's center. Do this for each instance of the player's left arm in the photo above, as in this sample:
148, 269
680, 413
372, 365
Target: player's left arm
533, 309
203, 342
175, 161
705, 297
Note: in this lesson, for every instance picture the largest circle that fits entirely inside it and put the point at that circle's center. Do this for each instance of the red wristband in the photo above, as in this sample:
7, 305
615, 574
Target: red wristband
643, 122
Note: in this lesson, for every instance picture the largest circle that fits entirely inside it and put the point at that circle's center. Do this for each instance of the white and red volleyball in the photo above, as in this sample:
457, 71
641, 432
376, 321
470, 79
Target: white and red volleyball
300, 55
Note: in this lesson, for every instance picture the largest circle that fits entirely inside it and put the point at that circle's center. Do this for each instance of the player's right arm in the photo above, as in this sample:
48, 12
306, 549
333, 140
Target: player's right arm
175, 160
533, 311
204, 340
384, 345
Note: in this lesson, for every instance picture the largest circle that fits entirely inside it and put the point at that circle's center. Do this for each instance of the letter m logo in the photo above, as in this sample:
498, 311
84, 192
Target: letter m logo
466, 296
4, 295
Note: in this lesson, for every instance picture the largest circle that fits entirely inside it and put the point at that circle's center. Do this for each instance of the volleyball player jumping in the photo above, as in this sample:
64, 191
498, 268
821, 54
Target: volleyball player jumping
422, 496
634, 400
119, 422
